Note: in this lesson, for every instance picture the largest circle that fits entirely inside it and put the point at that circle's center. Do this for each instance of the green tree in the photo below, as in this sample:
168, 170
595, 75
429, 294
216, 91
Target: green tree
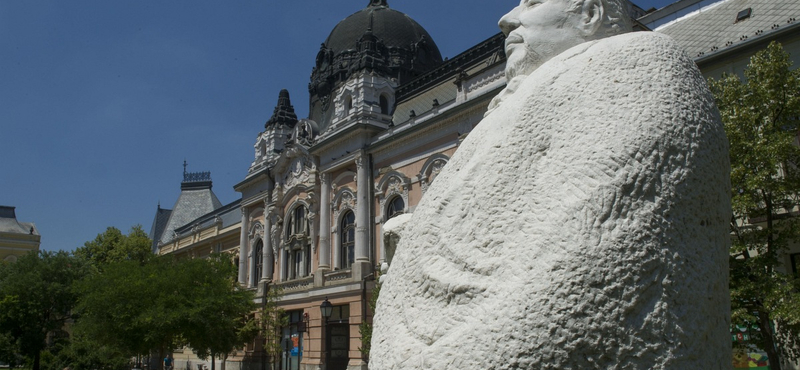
365, 328
270, 322
163, 304
81, 352
219, 315
36, 300
114, 246
126, 308
761, 120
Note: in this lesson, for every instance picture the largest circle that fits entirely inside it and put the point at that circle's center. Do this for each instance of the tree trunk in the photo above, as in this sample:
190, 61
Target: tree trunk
36, 360
212, 362
765, 325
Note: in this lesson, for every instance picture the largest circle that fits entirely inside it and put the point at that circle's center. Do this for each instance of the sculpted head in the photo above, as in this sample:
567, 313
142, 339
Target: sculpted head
537, 30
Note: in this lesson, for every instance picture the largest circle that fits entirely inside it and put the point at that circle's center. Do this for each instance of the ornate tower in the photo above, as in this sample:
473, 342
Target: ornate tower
362, 62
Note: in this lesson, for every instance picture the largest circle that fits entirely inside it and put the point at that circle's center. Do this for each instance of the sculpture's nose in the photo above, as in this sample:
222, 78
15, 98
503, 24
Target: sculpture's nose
509, 22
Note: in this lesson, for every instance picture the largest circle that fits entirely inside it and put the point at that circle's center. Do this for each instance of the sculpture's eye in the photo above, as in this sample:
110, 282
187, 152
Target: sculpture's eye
530, 3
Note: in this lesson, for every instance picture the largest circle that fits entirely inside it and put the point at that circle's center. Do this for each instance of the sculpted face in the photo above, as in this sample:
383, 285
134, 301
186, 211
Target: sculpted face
537, 30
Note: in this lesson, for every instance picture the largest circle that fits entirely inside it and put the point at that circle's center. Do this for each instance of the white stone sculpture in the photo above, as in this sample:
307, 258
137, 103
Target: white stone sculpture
582, 224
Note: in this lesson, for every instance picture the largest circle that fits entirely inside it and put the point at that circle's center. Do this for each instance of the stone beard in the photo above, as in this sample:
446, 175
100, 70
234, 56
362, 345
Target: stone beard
583, 224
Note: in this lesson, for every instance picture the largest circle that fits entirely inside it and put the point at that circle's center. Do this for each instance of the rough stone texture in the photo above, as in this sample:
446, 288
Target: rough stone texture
581, 225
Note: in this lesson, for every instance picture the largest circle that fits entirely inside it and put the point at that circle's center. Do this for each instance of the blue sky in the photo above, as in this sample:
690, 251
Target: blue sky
101, 101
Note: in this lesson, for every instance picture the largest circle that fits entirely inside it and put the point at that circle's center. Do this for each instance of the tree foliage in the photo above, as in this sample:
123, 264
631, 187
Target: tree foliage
365, 328
114, 246
36, 300
219, 315
271, 319
163, 304
761, 120
82, 352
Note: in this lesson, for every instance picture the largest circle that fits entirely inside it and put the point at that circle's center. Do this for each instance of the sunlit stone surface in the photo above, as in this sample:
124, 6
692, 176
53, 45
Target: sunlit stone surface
581, 225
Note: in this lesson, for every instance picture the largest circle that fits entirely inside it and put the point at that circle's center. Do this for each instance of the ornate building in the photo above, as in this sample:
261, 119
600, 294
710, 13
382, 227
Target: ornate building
386, 114
16, 238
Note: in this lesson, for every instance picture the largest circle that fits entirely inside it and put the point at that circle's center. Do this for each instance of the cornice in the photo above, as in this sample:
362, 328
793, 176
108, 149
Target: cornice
252, 178
423, 130
360, 127
468, 58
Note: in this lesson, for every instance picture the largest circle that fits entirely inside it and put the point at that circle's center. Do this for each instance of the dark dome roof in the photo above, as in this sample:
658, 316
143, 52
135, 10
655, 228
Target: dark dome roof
394, 28
378, 39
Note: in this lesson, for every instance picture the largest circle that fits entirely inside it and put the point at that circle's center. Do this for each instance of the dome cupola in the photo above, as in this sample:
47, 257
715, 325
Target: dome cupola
376, 38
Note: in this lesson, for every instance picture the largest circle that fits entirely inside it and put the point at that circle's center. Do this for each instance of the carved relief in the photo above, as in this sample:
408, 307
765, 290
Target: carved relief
297, 173
391, 185
344, 200
294, 172
257, 231
432, 167
394, 186
305, 132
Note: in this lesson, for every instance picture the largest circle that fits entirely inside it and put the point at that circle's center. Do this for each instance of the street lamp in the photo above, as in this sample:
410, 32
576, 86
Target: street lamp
326, 308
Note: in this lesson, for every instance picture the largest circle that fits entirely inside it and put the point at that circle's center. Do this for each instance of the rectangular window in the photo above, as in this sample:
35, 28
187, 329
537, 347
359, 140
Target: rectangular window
340, 314
795, 264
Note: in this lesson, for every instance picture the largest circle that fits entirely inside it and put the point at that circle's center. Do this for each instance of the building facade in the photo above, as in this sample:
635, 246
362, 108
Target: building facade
16, 238
386, 114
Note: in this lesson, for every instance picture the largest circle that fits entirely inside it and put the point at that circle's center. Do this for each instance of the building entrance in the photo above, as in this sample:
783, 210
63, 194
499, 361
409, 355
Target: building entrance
338, 346
337, 338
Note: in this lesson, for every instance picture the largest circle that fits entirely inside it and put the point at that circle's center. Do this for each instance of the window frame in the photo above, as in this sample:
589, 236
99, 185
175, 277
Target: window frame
347, 239
391, 207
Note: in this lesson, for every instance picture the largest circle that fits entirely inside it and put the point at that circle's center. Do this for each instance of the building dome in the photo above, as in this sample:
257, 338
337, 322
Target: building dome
376, 38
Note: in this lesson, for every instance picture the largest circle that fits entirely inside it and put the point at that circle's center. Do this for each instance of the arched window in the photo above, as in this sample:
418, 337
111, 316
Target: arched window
297, 253
348, 104
259, 262
347, 235
297, 224
384, 104
396, 207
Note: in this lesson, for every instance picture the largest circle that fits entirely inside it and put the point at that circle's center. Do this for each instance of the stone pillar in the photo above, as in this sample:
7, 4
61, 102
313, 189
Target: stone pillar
251, 266
381, 244
266, 262
313, 231
282, 273
325, 223
337, 248
362, 208
243, 248
362, 266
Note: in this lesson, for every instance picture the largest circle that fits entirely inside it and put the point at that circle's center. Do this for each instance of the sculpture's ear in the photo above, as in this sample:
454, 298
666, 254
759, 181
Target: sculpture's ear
591, 17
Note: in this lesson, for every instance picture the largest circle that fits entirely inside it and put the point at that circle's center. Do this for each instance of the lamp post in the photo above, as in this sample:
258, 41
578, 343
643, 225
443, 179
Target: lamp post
264, 291
326, 308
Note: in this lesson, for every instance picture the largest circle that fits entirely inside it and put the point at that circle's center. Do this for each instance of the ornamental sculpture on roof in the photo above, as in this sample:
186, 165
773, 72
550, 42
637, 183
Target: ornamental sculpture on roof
582, 224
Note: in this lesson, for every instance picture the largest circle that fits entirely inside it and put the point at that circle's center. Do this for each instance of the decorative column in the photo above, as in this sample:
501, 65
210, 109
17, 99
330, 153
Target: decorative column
266, 262
243, 248
313, 231
381, 244
337, 248
362, 208
251, 266
325, 223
